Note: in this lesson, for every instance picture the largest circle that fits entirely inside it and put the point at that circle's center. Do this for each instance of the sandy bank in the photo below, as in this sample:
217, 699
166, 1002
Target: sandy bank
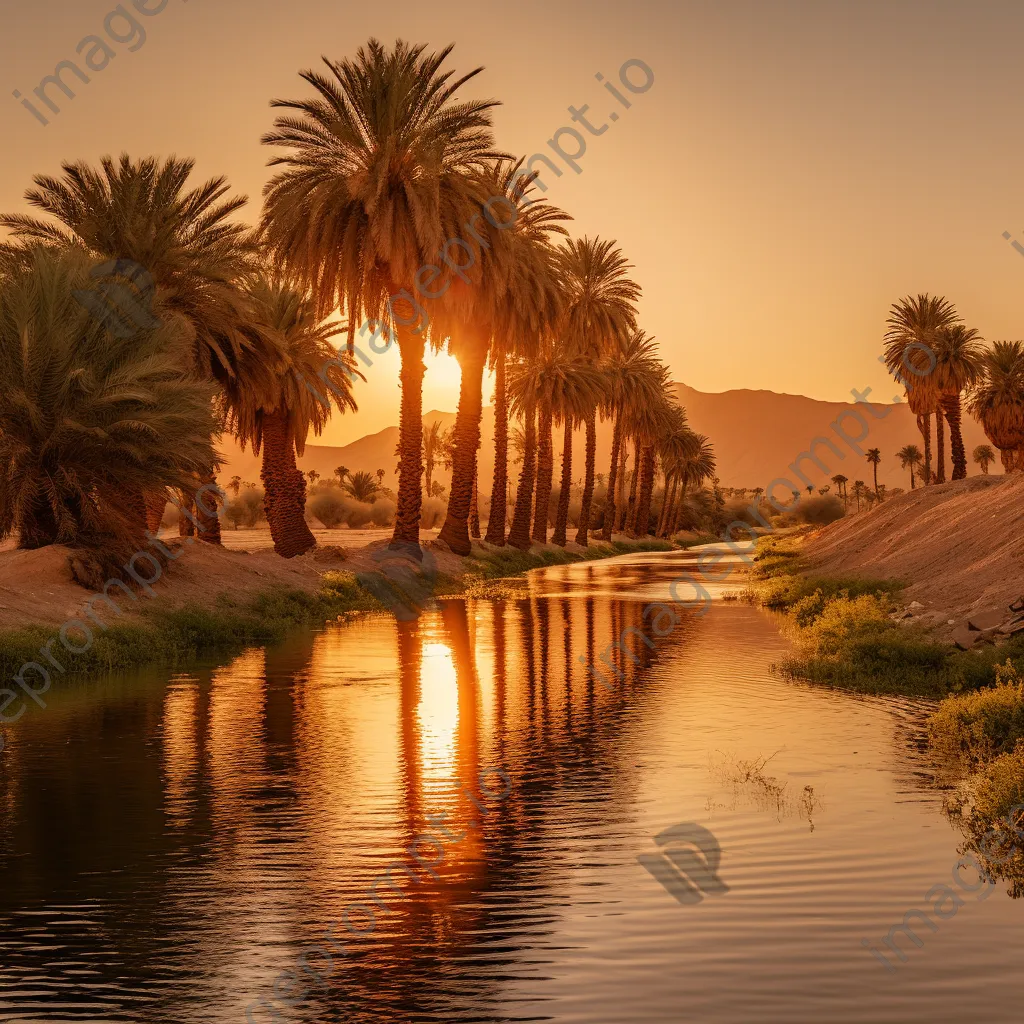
959, 545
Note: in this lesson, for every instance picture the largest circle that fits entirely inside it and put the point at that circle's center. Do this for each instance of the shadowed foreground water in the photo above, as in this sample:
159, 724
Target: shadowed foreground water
168, 846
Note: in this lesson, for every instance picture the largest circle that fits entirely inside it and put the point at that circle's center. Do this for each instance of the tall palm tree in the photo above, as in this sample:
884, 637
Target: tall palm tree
874, 456
997, 401
958, 352
523, 404
908, 349
380, 479
858, 490
984, 457
90, 421
515, 298
235, 485
910, 458
193, 251
690, 461
279, 416
634, 376
600, 319
383, 166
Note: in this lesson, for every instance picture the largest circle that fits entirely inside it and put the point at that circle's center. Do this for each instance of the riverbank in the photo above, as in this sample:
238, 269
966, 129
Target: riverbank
211, 600
853, 631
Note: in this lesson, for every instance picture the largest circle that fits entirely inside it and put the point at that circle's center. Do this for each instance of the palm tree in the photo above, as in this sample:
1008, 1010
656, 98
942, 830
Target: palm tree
958, 353
194, 255
635, 380
380, 479
383, 166
600, 319
361, 486
90, 421
341, 472
312, 476
431, 452
840, 481
516, 301
909, 345
858, 491
279, 416
235, 485
997, 401
874, 456
691, 462
984, 457
910, 458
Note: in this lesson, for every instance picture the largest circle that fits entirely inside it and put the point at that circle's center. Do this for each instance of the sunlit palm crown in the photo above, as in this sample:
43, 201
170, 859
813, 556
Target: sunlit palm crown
601, 298
573, 386
384, 166
297, 381
185, 239
997, 397
916, 321
958, 353
86, 417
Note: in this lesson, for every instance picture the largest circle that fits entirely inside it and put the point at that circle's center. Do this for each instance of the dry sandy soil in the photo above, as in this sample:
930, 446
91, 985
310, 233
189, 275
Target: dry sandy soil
958, 544
36, 586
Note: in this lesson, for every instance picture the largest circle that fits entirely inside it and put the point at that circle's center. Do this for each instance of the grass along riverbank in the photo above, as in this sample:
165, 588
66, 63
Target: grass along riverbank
175, 635
845, 633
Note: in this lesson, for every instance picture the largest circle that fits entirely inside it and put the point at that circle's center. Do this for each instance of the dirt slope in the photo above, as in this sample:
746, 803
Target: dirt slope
959, 545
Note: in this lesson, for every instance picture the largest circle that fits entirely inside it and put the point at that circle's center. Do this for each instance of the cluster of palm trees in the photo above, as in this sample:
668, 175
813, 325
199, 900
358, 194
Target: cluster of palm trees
378, 170
939, 360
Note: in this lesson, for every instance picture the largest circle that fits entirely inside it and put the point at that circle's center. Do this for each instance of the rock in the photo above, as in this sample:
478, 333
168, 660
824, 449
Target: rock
986, 620
964, 638
1010, 628
1018, 605
915, 606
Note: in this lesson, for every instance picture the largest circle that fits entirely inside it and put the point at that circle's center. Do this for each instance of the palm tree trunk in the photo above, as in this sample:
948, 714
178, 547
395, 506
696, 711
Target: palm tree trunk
545, 471
562, 515
668, 505
474, 509
208, 529
285, 490
519, 534
588, 480
643, 515
950, 405
410, 441
874, 469
924, 424
630, 523
912, 484
613, 480
499, 486
455, 532
621, 504
680, 510
940, 448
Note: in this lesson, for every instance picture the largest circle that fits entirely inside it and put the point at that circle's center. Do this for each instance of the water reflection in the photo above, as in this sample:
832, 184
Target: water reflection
169, 845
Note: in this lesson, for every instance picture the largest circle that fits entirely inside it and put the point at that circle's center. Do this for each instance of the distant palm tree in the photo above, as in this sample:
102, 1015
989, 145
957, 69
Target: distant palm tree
840, 481
341, 472
361, 486
984, 457
382, 166
910, 458
874, 456
312, 476
810, 488
997, 401
380, 478
909, 351
858, 491
235, 485
431, 452
958, 354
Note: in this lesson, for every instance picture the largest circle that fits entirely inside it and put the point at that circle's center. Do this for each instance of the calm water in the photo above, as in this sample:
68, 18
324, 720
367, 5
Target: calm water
168, 846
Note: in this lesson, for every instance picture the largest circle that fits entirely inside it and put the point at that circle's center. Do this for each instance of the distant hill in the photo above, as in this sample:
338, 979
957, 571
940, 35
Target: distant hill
757, 436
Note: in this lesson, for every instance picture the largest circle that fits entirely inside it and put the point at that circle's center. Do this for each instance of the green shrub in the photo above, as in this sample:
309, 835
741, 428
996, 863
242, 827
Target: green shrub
975, 727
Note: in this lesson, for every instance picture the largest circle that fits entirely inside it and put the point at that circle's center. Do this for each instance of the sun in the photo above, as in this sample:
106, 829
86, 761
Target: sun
443, 380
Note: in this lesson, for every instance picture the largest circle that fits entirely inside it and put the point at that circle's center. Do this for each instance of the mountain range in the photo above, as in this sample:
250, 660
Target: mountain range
757, 436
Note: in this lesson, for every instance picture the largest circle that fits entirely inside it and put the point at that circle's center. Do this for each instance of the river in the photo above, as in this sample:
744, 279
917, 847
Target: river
170, 843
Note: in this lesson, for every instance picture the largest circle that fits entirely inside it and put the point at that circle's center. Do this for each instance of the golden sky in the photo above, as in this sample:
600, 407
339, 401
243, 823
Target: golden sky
794, 167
